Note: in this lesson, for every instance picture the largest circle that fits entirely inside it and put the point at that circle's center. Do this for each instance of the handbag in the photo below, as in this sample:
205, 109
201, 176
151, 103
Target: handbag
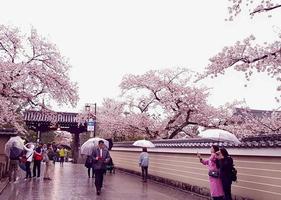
23, 159
214, 173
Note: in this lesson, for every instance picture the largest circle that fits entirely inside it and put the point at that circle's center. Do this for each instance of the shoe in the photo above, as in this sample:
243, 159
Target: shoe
98, 192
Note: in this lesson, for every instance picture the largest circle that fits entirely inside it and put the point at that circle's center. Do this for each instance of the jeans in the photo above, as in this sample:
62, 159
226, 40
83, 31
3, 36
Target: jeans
89, 172
28, 170
144, 173
99, 178
37, 165
13, 170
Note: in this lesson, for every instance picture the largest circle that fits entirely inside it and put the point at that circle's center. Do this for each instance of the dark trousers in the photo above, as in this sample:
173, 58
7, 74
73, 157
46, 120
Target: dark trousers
218, 198
99, 178
28, 170
37, 165
227, 191
89, 172
144, 173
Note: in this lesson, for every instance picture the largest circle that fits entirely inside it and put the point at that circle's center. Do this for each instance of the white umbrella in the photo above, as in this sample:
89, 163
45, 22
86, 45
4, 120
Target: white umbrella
88, 147
143, 143
15, 142
219, 135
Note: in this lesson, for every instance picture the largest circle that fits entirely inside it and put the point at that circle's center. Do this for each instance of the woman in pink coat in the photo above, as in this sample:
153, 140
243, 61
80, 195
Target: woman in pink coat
216, 188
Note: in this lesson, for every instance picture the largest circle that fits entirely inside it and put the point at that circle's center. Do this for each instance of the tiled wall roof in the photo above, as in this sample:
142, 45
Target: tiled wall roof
251, 142
37, 116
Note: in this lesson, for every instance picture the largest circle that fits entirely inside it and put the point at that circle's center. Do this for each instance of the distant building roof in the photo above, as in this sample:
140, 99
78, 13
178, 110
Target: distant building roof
254, 112
8, 132
62, 117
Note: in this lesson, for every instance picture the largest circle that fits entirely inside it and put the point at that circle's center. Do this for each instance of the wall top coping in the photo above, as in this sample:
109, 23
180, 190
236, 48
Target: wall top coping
268, 152
261, 141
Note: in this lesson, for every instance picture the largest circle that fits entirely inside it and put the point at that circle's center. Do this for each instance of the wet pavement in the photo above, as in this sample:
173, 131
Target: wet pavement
71, 182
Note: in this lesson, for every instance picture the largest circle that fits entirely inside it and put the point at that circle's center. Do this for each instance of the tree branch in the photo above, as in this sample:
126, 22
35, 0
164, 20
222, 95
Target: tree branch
264, 9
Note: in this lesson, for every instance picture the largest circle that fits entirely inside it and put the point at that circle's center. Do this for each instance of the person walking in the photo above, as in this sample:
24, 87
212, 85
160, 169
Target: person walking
89, 166
55, 157
28, 156
101, 158
143, 163
226, 166
216, 188
14, 162
61, 156
47, 155
38, 157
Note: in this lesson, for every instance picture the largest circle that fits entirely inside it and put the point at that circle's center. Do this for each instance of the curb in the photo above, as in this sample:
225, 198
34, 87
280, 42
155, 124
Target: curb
3, 184
163, 183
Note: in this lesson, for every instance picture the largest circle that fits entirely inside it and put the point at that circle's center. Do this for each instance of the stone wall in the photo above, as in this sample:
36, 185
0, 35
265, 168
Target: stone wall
259, 170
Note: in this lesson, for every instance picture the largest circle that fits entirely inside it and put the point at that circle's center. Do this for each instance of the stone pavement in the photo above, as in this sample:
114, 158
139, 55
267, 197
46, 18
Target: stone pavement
72, 183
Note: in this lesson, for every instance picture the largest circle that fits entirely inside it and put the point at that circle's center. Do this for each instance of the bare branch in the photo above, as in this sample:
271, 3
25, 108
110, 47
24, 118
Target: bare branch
264, 9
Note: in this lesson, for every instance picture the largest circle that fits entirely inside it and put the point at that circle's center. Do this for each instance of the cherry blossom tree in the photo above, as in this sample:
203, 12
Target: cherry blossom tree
31, 69
162, 104
245, 122
254, 7
249, 57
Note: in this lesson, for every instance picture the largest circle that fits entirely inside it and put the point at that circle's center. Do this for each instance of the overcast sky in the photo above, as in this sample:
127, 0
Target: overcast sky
105, 40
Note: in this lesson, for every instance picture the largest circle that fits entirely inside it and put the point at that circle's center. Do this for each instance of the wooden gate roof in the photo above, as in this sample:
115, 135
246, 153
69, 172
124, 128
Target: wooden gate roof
60, 117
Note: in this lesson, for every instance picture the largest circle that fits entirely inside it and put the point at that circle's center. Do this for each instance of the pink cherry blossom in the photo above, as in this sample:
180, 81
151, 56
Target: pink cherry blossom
32, 69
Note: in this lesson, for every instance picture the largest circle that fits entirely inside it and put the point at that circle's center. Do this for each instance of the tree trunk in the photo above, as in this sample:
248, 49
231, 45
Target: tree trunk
76, 144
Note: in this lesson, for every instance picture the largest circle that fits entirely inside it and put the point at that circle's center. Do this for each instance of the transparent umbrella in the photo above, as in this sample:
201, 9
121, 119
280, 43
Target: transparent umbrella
88, 147
14, 146
219, 135
143, 143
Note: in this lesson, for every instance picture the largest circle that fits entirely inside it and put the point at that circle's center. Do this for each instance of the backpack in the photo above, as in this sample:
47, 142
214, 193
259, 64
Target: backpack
89, 162
38, 157
233, 174
51, 154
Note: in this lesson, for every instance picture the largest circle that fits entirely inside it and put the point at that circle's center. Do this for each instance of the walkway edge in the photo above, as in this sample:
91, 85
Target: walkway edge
166, 182
3, 184
185, 187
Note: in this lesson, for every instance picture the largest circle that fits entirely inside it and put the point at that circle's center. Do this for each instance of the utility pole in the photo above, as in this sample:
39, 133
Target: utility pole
91, 120
95, 120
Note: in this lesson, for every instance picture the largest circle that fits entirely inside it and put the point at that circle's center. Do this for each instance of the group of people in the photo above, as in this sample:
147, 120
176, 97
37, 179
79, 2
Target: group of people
46, 153
220, 166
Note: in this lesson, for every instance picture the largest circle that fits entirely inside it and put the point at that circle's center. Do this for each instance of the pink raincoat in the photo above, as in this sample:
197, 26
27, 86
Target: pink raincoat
216, 188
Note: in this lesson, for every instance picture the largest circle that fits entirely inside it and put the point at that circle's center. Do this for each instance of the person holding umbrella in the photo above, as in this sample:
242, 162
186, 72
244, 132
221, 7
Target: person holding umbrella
144, 158
101, 158
14, 161
13, 149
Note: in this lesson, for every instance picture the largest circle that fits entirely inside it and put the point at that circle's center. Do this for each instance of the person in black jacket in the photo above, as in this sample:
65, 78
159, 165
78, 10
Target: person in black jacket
226, 165
101, 158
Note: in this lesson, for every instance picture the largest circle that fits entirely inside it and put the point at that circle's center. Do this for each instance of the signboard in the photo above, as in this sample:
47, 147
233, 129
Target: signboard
91, 125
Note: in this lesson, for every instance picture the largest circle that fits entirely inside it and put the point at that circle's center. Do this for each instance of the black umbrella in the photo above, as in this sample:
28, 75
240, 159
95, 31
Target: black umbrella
64, 146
